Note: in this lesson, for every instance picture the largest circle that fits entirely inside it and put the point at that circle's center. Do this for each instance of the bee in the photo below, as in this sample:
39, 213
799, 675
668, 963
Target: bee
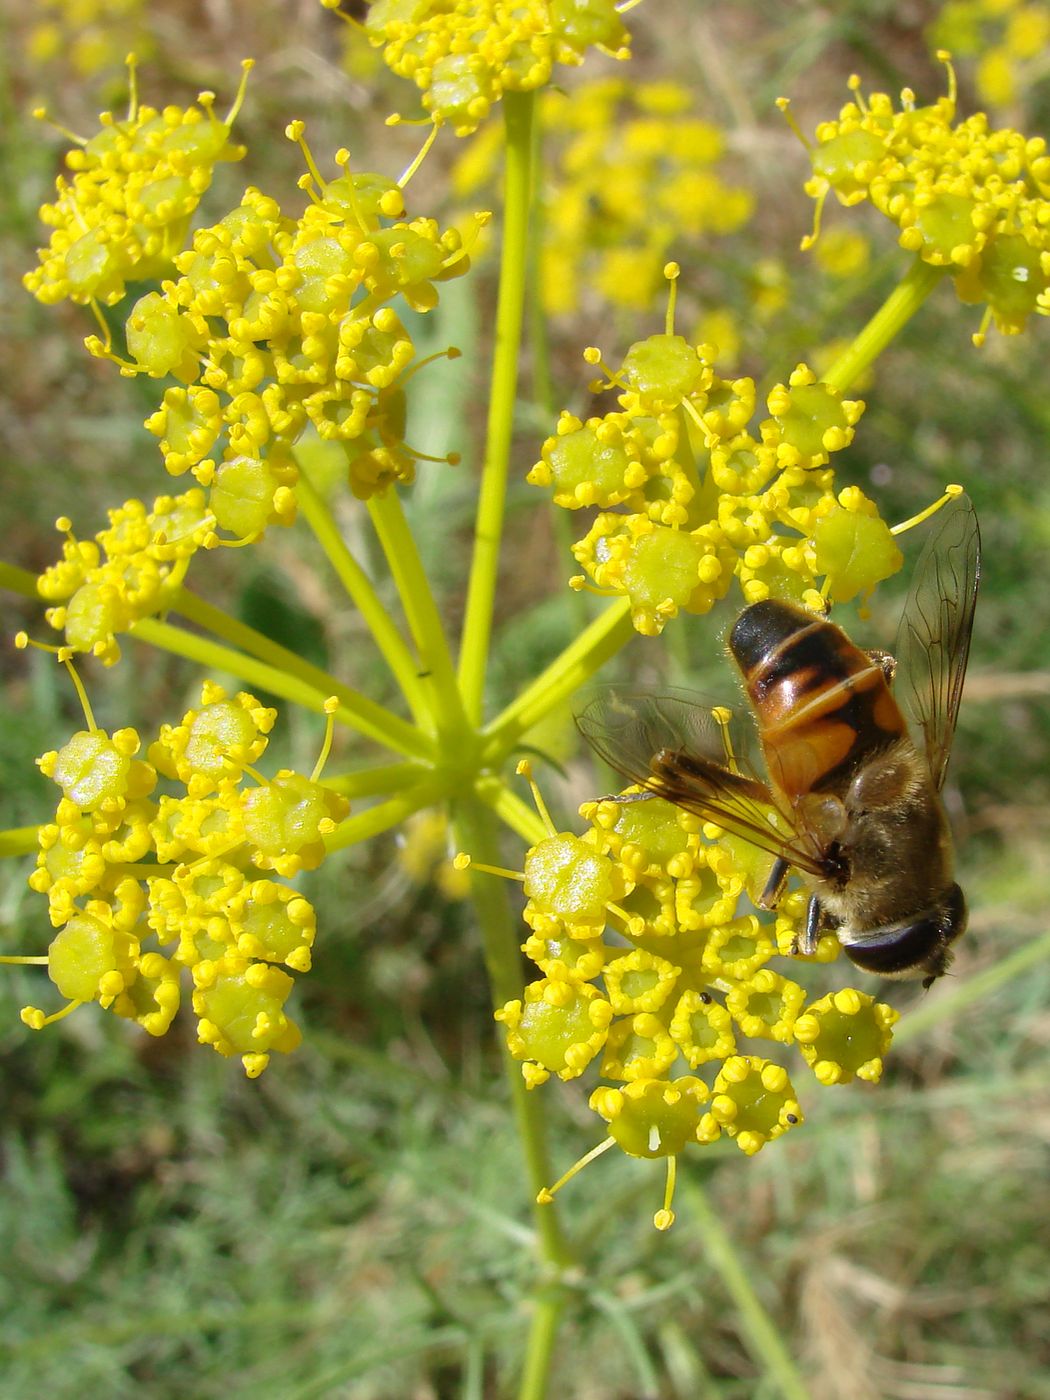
855, 747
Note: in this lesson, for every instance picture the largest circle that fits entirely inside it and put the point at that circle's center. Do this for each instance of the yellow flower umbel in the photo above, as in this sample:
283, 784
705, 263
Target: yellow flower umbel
273, 327
279, 325
630, 172
130, 571
690, 497
124, 215
657, 970
965, 198
144, 884
465, 54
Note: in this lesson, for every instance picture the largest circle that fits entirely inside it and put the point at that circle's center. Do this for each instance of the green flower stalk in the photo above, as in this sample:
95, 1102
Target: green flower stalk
172, 862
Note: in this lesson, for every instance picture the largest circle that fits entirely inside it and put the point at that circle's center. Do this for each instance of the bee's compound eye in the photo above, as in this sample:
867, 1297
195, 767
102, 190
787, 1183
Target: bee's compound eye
920, 946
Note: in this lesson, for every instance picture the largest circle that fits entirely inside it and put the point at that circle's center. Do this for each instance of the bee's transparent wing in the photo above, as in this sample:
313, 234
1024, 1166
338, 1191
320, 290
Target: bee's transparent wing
627, 726
698, 756
933, 641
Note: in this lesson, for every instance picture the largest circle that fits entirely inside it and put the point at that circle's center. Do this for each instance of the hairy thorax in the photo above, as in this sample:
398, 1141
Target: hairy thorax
890, 836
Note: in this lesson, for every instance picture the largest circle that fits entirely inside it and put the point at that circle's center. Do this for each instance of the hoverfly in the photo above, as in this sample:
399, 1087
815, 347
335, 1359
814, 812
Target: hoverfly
856, 748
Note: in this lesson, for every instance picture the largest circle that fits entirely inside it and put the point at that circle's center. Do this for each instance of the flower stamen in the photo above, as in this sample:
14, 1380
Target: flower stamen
330, 707
950, 492
35, 1019
462, 861
414, 165
546, 1195
672, 272
524, 770
664, 1219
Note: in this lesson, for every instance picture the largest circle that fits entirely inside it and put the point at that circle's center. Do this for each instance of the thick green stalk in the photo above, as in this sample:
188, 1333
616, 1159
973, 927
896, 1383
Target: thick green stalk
477, 832
388, 639
548, 1306
437, 674
17, 580
894, 313
476, 829
18, 840
481, 590
355, 711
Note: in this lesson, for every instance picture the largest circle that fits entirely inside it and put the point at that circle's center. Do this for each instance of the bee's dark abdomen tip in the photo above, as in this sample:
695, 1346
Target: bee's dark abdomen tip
761, 627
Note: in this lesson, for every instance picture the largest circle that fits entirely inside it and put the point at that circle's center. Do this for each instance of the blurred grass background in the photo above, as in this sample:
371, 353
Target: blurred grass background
352, 1224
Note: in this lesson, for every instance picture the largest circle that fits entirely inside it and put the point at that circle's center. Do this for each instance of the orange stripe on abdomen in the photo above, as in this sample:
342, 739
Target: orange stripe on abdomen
822, 704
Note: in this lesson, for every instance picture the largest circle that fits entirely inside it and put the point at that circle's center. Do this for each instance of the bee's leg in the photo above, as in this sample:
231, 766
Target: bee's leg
625, 797
886, 661
807, 940
770, 896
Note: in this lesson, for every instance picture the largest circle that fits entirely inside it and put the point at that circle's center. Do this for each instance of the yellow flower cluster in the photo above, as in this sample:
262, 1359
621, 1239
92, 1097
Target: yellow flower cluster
1009, 39
464, 54
965, 197
273, 327
688, 497
278, 325
128, 572
124, 215
143, 884
654, 968
629, 172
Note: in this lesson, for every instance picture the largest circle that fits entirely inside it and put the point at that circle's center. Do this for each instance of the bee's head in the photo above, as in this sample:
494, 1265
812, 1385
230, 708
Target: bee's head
921, 947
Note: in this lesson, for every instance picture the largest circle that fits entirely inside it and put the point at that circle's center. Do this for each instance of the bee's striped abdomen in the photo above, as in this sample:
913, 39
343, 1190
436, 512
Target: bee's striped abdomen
822, 704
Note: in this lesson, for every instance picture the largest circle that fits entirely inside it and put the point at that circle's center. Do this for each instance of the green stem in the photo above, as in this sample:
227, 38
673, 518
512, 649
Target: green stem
481, 590
888, 321
17, 580
477, 833
605, 636
354, 710
764, 1341
548, 1306
437, 673
18, 841
358, 585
